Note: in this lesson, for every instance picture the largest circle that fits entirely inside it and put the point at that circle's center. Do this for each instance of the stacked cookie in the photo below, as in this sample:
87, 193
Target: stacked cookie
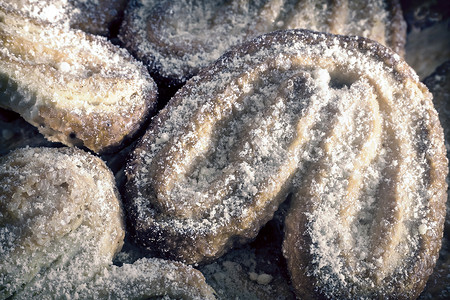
331, 125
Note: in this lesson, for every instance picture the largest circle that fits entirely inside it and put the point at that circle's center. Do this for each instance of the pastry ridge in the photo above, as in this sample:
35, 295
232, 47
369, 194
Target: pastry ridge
177, 39
78, 89
318, 116
62, 224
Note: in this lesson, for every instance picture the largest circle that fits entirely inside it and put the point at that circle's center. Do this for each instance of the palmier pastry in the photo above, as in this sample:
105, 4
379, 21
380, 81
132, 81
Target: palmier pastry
176, 38
367, 220
93, 16
60, 226
77, 89
59, 209
341, 123
148, 278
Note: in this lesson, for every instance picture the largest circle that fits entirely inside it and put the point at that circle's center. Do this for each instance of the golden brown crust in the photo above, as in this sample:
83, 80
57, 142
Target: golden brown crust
77, 89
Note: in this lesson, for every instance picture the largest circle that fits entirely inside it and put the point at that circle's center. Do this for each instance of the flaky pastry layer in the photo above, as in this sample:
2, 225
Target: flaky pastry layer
341, 123
77, 89
177, 38
61, 224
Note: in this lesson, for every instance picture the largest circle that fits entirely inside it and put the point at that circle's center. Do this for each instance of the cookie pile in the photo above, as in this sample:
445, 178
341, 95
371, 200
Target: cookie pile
282, 148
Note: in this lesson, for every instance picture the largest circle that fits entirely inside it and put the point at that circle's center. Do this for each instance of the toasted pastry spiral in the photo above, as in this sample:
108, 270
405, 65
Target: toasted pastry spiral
78, 89
59, 208
342, 123
60, 227
178, 37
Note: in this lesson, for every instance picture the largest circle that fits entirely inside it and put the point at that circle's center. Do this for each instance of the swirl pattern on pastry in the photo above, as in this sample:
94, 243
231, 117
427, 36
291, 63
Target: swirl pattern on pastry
56, 205
342, 121
93, 16
61, 225
77, 89
368, 223
178, 37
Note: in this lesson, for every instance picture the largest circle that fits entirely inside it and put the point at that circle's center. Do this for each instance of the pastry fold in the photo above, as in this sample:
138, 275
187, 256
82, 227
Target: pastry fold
76, 88
340, 123
61, 224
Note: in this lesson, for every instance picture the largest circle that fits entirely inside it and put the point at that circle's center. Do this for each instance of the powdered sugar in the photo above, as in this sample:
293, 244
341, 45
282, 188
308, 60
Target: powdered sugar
61, 226
177, 38
251, 128
53, 73
57, 223
93, 16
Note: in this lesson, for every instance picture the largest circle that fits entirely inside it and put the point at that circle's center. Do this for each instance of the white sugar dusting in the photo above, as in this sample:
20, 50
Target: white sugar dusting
61, 226
179, 37
49, 11
358, 125
91, 16
75, 77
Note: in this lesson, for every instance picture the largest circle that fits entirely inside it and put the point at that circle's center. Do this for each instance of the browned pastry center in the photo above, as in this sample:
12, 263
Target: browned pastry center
342, 123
